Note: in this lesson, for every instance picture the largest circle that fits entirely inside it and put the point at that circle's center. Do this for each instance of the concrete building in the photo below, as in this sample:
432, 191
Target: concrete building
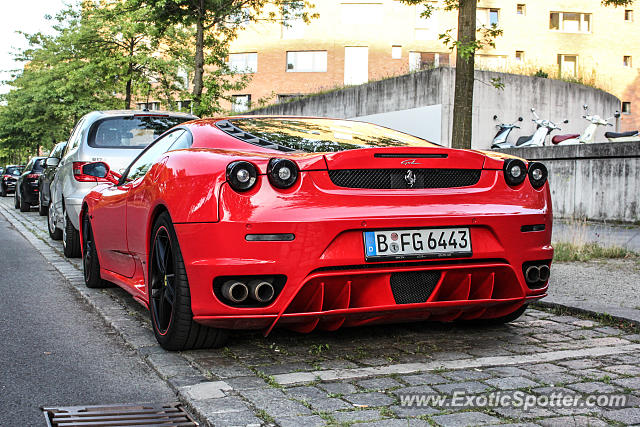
355, 41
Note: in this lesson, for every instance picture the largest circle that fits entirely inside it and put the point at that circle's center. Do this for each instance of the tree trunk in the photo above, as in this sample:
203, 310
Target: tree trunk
198, 77
127, 97
465, 65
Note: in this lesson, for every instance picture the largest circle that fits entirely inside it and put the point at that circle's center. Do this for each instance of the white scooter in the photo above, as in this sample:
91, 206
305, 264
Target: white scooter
504, 129
589, 133
631, 136
543, 128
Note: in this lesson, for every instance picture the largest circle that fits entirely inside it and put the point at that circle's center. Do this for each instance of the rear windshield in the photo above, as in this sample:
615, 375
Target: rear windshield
14, 170
130, 132
325, 135
38, 166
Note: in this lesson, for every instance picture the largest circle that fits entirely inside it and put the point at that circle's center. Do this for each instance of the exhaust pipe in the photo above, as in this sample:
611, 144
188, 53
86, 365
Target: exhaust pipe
235, 291
545, 272
532, 274
261, 290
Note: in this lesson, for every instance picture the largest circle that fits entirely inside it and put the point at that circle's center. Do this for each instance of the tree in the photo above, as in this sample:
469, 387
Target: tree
215, 24
466, 44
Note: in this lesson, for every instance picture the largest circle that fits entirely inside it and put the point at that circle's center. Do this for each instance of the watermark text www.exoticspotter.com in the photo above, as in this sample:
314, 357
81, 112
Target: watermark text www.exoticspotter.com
514, 399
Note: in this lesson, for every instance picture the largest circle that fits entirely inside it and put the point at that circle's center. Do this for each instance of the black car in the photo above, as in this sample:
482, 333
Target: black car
44, 182
27, 192
9, 178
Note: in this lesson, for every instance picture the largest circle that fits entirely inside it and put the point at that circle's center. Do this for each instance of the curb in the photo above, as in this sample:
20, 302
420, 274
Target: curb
194, 390
599, 315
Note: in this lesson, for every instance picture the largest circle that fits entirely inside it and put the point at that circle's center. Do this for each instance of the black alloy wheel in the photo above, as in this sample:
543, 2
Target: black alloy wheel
54, 232
170, 296
16, 201
90, 261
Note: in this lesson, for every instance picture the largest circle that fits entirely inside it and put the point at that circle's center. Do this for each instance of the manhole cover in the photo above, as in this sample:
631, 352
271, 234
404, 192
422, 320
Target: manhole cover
139, 414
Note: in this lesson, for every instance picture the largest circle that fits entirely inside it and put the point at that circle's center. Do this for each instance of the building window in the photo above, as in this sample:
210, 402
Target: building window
361, 13
570, 22
427, 60
240, 103
568, 65
626, 108
396, 52
184, 105
519, 56
151, 106
307, 62
243, 63
628, 15
286, 97
626, 61
292, 24
488, 17
521, 9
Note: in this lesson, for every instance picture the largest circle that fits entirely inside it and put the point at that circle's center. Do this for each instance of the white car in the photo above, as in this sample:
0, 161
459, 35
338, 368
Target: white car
114, 137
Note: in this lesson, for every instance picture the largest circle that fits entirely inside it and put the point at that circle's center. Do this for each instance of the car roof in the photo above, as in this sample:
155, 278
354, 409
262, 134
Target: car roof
112, 113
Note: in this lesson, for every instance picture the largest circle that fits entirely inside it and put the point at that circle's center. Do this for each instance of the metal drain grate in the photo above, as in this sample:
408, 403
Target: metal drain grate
139, 414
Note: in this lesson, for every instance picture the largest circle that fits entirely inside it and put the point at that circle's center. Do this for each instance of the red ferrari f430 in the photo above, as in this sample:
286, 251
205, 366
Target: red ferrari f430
262, 222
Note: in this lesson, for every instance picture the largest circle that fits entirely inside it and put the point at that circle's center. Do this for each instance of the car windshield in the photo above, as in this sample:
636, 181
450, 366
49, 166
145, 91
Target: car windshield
38, 165
325, 135
14, 170
131, 132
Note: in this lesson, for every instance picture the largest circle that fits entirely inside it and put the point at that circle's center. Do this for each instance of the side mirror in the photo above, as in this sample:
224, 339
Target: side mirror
52, 162
533, 110
617, 114
495, 117
97, 169
565, 121
585, 107
520, 119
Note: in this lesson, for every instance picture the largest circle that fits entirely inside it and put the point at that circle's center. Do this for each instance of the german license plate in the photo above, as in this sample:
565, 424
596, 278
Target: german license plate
419, 243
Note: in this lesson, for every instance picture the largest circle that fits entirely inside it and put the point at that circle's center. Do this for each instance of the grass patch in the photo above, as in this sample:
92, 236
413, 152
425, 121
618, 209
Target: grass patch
566, 252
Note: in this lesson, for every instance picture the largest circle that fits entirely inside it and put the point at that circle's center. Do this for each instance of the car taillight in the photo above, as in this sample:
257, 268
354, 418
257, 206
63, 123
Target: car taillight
33, 176
5, 177
79, 176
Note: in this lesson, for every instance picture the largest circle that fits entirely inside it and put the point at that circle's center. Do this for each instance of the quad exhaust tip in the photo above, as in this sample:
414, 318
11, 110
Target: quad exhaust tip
532, 274
545, 272
235, 291
536, 275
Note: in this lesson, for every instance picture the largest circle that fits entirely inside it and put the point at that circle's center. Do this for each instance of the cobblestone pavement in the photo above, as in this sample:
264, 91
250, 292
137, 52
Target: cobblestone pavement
358, 376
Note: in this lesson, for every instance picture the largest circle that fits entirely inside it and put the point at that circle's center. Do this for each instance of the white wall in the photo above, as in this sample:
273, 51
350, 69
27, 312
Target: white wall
423, 122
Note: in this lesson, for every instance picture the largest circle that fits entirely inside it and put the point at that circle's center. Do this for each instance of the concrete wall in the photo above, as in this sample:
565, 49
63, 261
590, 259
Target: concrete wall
594, 181
553, 99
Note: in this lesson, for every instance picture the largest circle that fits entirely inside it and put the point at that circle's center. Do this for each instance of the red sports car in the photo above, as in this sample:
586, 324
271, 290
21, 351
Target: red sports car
258, 222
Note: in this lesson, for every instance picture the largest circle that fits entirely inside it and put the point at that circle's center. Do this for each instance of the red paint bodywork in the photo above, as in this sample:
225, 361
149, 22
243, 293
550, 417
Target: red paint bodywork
329, 284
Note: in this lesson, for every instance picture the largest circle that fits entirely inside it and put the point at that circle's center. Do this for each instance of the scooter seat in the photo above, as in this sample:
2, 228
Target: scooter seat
559, 138
620, 135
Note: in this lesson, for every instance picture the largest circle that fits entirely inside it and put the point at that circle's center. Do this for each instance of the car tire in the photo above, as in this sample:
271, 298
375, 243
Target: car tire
507, 318
70, 238
90, 261
3, 191
54, 232
24, 206
42, 210
170, 296
16, 201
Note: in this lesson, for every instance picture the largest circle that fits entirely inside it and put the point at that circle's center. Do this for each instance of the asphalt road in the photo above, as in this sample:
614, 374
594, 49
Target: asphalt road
53, 350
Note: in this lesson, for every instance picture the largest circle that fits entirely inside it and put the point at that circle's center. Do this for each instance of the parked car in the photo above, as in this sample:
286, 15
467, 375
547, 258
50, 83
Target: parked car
257, 222
9, 178
116, 137
1, 171
47, 176
27, 192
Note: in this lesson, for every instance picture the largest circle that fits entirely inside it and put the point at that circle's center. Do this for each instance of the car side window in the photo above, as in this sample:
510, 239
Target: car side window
183, 142
57, 152
148, 157
74, 139
29, 165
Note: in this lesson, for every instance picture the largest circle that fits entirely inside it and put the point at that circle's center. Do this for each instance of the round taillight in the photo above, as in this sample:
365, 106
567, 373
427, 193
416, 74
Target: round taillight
241, 175
537, 174
283, 173
515, 171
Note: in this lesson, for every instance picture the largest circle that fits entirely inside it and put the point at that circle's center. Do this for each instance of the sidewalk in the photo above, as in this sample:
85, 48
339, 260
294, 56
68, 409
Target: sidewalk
609, 286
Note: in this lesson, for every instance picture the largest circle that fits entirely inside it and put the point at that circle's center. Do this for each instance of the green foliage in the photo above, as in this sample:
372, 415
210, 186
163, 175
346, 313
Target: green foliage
564, 252
541, 73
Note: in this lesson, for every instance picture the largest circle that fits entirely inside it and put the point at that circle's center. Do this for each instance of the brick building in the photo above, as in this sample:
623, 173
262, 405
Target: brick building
355, 41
